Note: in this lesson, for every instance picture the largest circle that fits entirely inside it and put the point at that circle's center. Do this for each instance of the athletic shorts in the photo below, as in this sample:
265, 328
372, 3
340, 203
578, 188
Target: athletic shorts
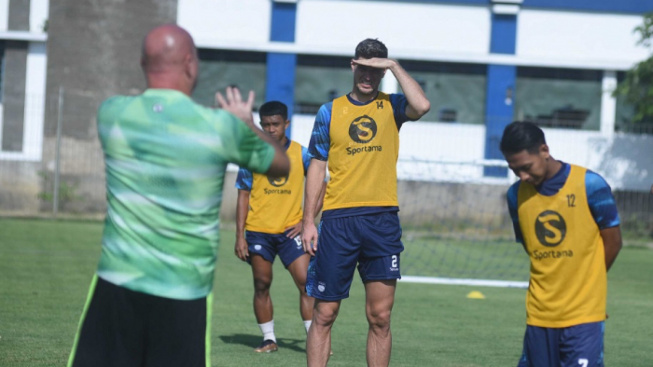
270, 245
123, 328
373, 241
574, 346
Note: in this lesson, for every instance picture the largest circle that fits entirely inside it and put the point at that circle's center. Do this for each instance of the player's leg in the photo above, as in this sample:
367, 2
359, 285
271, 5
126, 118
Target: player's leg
582, 345
379, 267
379, 299
293, 257
262, 274
298, 270
541, 347
330, 273
262, 251
263, 308
318, 341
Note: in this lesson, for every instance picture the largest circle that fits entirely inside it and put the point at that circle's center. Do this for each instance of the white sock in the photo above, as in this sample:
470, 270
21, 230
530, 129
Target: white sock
307, 325
268, 331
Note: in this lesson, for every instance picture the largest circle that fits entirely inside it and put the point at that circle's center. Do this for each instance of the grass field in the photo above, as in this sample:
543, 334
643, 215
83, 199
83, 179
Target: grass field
46, 267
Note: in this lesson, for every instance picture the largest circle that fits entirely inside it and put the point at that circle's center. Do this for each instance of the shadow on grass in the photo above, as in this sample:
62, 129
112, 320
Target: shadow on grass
249, 340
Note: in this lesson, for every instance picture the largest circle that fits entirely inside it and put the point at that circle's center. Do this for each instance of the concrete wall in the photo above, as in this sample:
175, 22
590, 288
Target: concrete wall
425, 203
94, 50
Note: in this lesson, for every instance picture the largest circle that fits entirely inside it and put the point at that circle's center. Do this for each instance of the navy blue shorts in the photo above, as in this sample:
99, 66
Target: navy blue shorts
373, 241
574, 346
270, 245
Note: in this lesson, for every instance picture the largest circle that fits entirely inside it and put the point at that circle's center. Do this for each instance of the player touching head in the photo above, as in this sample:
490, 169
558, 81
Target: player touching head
357, 134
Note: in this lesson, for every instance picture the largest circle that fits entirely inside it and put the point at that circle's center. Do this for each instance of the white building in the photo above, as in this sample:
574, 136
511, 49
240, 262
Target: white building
482, 63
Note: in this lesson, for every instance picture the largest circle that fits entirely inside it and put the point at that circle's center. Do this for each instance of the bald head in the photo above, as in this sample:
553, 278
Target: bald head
169, 58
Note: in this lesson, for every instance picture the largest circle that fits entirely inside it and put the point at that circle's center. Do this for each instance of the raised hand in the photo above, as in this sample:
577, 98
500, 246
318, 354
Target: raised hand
234, 103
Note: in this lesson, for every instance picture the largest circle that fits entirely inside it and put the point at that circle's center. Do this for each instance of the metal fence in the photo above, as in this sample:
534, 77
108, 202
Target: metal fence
67, 177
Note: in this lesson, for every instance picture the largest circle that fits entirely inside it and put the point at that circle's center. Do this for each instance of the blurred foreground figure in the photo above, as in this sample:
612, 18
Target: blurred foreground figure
150, 301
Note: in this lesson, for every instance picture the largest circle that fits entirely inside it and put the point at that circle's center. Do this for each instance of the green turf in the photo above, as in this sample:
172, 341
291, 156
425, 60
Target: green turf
46, 267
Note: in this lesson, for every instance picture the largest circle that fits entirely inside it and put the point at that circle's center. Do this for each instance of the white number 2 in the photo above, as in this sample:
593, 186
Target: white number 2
583, 362
394, 261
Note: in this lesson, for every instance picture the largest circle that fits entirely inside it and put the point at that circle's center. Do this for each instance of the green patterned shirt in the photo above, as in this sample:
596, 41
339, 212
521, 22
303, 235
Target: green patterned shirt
165, 160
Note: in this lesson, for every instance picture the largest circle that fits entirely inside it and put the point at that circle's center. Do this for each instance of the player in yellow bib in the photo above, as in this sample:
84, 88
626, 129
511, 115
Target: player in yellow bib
268, 223
566, 218
358, 136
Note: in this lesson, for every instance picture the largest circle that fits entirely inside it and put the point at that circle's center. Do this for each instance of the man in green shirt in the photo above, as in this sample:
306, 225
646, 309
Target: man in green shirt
165, 157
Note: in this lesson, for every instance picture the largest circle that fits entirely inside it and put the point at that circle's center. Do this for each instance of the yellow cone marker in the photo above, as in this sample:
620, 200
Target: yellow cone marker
475, 295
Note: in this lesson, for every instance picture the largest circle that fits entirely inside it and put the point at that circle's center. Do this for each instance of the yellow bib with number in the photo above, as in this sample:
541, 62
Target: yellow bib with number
362, 155
275, 205
568, 283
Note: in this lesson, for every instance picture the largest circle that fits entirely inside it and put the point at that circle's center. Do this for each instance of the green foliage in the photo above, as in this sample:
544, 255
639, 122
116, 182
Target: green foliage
645, 31
67, 191
637, 87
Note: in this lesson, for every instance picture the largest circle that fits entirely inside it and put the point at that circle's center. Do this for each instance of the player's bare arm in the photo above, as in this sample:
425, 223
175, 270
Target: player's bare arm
418, 104
242, 205
297, 228
314, 184
611, 244
320, 198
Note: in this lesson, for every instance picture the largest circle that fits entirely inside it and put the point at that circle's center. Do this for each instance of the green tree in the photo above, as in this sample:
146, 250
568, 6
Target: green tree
637, 87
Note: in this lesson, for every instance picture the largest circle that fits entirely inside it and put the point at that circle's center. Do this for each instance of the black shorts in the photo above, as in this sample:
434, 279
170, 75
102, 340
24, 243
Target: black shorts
120, 327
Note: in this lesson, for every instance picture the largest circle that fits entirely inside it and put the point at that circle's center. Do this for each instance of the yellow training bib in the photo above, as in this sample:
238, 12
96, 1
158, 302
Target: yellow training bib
568, 284
275, 205
362, 155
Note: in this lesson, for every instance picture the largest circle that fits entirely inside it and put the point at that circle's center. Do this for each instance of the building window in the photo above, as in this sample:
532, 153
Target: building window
456, 91
2, 71
560, 98
320, 79
624, 120
219, 69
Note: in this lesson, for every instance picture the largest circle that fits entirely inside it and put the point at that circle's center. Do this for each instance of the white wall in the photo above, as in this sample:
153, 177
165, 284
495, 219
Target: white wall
624, 160
4, 15
579, 37
38, 15
220, 22
35, 80
403, 27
